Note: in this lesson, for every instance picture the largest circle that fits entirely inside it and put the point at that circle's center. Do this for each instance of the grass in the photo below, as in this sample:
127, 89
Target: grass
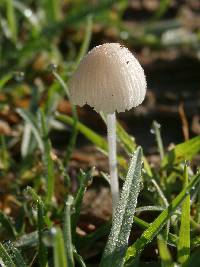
40, 210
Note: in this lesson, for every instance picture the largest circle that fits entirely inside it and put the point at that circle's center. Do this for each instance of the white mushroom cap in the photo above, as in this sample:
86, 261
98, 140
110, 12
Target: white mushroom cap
109, 78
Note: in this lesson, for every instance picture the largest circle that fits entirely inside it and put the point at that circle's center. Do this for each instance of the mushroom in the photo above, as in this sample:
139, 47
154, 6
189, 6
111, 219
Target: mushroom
109, 79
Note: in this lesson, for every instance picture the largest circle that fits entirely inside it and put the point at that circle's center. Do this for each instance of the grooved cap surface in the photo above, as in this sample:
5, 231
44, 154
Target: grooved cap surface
109, 78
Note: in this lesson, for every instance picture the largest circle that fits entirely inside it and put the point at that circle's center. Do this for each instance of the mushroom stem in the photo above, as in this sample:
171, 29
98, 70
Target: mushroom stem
112, 154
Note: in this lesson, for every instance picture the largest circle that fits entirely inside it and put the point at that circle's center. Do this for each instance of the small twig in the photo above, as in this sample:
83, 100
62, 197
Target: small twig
160, 192
185, 126
33, 260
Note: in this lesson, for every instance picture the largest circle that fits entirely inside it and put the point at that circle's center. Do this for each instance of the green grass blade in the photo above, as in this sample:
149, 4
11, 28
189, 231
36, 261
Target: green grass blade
27, 240
78, 199
164, 4
183, 151
59, 250
159, 222
42, 251
87, 132
30, 16
4, 255
6, 224
86, 41
149, 208
28, 119
160, 192
74, 133
184, 233
4, 80
123, 218
79, 259
54, 95
127, 141
19, 222
11, 18
95, 138
31, 192
60, 80
67, 232
15, 255
166, 259
90, 239
198, 206
31, 239
156, 130
50, 177
52, 10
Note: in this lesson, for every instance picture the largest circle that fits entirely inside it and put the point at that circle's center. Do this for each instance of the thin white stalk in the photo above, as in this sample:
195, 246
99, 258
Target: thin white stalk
112, 154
